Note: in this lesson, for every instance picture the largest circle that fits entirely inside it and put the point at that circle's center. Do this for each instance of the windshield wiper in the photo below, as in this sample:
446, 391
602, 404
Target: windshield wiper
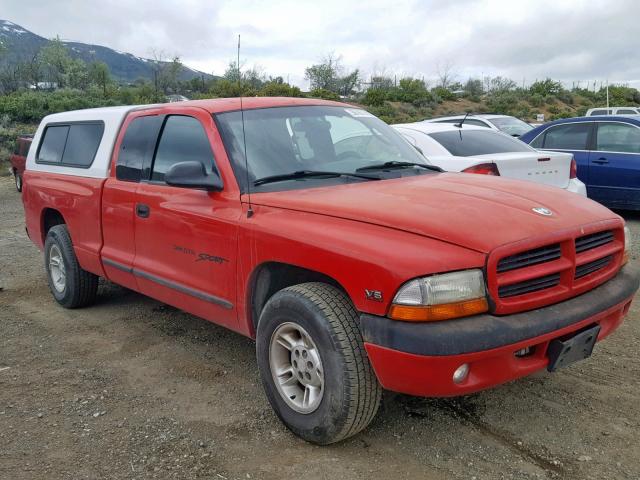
309, 174
396, 164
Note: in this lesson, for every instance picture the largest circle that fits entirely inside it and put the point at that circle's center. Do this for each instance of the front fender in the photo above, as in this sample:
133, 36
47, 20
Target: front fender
359, 256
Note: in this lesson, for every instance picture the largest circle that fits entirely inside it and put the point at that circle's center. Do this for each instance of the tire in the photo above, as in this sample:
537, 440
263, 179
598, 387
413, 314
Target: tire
75, 287
18, 180
349, 393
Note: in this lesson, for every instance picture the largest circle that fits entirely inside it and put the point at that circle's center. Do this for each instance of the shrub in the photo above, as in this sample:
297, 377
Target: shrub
374, 97
546, 87
442, 93
324, 94
274, 89
536, 100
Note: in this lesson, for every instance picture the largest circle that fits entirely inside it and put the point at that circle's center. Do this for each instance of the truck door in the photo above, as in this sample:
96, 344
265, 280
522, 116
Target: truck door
186, 238
134, 148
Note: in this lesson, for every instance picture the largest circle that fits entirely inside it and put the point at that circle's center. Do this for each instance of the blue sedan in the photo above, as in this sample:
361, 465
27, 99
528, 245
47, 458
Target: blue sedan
607, 153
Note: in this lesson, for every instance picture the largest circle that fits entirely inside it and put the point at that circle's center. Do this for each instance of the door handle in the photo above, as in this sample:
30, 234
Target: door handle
601, 161
142, 210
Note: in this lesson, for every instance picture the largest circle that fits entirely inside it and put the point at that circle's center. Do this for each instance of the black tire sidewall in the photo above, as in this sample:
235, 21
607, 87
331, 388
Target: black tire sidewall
18, 180
321, 425
58, 236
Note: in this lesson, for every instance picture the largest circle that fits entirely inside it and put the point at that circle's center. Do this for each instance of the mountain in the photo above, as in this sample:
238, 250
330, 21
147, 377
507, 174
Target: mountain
22, 45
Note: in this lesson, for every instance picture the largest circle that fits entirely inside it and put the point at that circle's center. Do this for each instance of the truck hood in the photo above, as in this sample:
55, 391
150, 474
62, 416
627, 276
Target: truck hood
473, 211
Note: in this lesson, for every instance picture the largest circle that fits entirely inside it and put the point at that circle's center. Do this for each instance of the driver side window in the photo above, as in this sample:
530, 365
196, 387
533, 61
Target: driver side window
183, 139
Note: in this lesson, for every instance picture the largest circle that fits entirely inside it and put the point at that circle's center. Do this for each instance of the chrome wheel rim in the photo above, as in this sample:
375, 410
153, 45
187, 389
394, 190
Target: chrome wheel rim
18, 182
296, 367
57, 269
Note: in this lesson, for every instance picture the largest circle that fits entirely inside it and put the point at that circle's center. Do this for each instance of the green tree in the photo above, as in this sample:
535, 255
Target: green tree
347, 84
546, 87
473, 89
323, 75
100, 75
329, 75
55, 61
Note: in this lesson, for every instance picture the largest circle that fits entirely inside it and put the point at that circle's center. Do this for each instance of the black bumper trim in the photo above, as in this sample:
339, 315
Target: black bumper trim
484, 332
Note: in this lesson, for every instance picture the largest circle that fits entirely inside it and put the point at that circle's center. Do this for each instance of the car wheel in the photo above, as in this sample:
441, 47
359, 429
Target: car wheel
18, 179
71, 286
313, 365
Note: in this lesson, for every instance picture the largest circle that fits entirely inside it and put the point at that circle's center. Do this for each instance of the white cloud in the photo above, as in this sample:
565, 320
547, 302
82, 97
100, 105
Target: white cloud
568, 40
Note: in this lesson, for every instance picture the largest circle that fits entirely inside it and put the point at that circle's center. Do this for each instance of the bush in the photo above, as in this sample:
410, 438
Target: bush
374, 97
554, 109
31, 106
442, 93
274, 89
536, 100
324, 94
546, 87
505, 103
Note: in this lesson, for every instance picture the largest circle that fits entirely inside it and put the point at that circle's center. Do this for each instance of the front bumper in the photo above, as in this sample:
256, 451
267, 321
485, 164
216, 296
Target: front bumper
420, 358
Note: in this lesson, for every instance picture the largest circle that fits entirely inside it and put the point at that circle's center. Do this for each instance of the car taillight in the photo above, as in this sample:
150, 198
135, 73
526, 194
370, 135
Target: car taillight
573, 171
483, 169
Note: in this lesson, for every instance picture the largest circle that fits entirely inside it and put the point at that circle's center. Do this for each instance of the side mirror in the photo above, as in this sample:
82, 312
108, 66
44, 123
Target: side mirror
193, 175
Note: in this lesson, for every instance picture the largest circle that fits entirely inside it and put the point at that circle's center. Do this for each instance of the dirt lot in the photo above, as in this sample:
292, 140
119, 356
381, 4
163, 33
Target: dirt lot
131, 388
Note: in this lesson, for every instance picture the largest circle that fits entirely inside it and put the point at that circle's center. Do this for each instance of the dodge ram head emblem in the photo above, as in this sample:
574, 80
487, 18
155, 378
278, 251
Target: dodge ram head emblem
543, 211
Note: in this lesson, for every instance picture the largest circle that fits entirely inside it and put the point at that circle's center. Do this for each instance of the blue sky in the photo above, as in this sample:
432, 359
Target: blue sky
569, 40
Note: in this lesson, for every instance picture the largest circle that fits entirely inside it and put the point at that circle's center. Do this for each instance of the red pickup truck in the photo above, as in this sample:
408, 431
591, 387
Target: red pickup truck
19, 157
314, 228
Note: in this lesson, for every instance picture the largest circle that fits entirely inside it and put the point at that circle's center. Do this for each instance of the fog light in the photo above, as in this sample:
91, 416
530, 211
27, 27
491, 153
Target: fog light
461, 373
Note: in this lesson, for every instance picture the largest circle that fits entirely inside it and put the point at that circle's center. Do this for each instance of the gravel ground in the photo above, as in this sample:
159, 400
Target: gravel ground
132, 389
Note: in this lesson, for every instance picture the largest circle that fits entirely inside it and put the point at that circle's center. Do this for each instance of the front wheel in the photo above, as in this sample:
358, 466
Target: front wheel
315, 371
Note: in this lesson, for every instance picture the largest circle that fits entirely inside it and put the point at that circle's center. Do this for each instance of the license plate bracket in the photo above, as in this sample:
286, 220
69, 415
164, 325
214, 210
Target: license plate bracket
570, 350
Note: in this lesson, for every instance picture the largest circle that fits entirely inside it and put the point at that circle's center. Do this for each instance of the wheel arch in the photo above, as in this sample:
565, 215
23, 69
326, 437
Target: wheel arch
270, 277
50, 217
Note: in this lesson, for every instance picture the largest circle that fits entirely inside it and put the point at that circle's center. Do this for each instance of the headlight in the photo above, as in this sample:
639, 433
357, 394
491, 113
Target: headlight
627, 244
440, 297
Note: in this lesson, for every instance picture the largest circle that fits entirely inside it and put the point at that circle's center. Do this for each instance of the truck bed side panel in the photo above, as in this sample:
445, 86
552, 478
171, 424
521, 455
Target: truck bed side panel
77, 199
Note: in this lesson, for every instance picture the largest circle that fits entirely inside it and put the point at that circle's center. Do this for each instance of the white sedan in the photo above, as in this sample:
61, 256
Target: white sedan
473, 149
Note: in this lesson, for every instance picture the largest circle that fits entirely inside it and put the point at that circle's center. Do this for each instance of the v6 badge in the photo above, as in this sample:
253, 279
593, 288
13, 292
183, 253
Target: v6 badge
374, 295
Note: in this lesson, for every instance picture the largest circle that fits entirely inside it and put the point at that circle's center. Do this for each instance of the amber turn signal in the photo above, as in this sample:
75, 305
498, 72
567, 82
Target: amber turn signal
432, 313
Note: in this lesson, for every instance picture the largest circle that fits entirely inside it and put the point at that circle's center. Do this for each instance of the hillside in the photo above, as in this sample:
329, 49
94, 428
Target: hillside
22, 45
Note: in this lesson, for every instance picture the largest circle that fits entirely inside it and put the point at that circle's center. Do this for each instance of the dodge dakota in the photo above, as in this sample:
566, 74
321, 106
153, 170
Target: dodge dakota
316, 229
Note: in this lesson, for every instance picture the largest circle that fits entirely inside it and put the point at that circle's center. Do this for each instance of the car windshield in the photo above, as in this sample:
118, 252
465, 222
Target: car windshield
285, 140
511, 125
466, 143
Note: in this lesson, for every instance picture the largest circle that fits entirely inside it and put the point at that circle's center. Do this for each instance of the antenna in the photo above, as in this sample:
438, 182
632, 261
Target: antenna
459, 125
244, 137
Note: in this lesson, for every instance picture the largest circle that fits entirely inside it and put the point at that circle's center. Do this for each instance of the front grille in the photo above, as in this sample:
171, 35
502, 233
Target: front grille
587, 268
529, 286
530, 257
594, 240
568, 265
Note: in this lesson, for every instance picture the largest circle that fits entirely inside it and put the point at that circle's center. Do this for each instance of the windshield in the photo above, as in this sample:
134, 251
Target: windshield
466, 143
511, 125
284, 140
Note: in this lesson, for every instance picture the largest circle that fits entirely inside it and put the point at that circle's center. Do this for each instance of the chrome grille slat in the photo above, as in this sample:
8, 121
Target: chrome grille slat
529, 286
528, 258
